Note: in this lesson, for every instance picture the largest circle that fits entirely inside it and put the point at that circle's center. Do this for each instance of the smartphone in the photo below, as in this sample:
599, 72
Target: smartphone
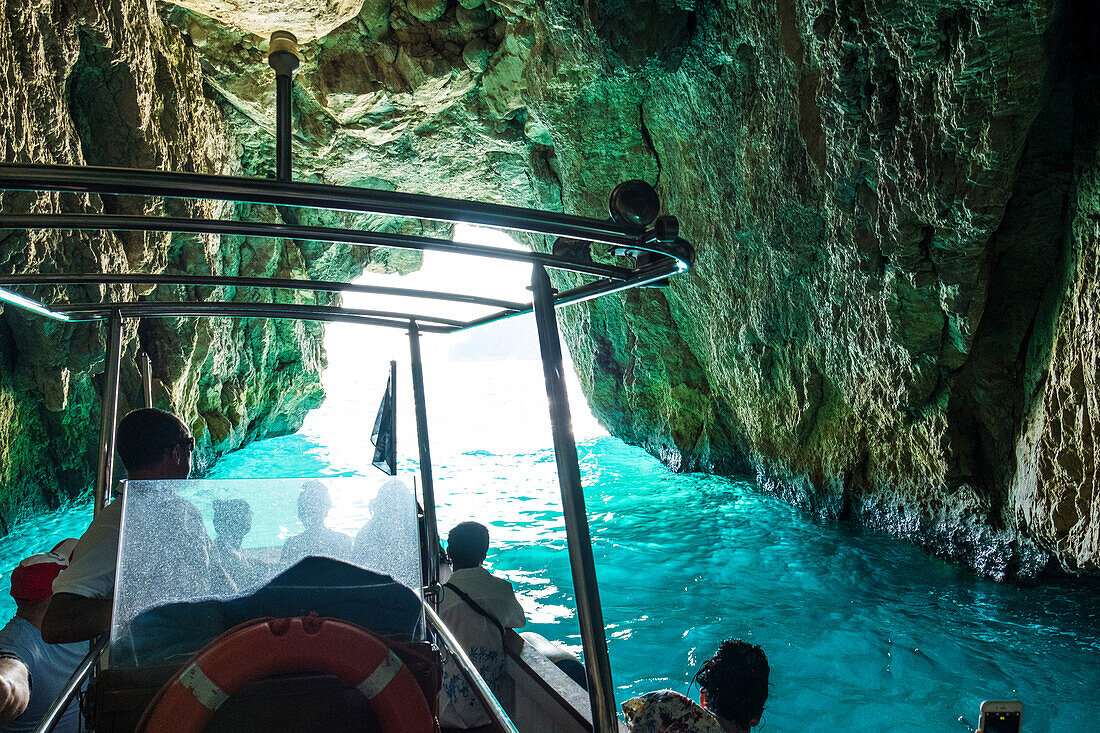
1001, 716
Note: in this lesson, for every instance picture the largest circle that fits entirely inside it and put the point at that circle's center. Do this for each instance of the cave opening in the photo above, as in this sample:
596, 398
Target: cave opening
484, 388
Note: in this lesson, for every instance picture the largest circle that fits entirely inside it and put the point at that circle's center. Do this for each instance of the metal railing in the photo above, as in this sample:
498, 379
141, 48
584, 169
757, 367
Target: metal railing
130, 182
71, 688
636, 230
480, 687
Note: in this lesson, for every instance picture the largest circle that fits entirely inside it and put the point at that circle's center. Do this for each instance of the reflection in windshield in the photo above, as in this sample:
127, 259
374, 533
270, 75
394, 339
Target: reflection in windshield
387, 527
281, 547
317, 539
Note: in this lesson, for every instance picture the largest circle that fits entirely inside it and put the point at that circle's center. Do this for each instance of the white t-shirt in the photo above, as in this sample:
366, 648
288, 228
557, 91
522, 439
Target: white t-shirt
175, 552
91, 571
480, 637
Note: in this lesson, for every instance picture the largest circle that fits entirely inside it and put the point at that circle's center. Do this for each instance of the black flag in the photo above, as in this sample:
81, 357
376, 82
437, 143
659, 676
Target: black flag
384, 435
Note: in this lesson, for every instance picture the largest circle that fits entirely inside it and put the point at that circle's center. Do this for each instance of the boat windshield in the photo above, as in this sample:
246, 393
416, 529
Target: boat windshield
199, 557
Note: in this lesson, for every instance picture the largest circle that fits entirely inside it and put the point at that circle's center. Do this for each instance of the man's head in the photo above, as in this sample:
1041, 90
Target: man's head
32, 579
467, 545
232, 518
313, 504
734, 682
154, 444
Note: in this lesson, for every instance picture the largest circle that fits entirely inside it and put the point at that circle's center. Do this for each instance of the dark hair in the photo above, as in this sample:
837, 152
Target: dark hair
467, 544
231, 516
736, 681
314, 502
144, 435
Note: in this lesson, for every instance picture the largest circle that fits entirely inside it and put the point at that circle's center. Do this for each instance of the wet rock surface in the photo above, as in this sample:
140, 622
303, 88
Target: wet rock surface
883, 198
894, 207
110, 84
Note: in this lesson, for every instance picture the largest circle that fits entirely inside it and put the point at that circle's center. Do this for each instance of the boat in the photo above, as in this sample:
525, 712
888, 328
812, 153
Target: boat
149, 672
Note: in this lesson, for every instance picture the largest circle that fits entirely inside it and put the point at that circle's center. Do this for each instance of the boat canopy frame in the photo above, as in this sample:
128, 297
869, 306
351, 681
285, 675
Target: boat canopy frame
635, 232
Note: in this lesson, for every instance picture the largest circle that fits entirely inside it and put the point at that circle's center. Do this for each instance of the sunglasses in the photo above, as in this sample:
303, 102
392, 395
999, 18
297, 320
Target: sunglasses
189, 441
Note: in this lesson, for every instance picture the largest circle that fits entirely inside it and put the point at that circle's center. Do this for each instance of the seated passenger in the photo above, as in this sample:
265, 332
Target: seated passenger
391, 525
154, 446
33, 672
477, 607
232, 521
733, 686
317, 539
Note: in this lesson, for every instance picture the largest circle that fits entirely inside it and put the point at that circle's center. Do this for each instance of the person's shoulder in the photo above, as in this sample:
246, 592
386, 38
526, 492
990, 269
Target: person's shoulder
106, 519
502, 585
659, 711
11, 630
18, 638
111, 512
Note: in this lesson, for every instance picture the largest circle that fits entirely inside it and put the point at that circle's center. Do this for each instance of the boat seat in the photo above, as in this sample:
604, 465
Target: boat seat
170, 633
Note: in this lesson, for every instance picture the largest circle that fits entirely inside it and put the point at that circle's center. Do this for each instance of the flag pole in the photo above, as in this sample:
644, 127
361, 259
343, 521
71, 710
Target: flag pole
393, 418
426, 486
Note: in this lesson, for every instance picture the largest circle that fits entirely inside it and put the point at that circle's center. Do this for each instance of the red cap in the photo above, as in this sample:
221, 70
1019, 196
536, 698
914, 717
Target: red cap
32, 579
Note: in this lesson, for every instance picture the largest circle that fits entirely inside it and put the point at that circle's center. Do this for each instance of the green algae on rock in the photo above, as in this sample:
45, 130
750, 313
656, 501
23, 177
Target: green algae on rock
894, 207
112, 85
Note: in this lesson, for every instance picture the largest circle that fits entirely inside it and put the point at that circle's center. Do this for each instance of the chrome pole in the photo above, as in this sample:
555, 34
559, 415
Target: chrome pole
125, 181
147, 377
68, 692
392, 450
109, 403
283, 58
593, 637
427, 487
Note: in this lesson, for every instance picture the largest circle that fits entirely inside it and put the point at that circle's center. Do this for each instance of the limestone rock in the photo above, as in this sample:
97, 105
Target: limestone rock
306, 21
875, 195
476, 54
475, 18
427, 11
110, 84
894, 207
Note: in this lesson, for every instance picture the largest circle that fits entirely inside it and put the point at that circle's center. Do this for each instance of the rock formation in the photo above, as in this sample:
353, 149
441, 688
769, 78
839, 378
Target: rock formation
895, 206
111, 84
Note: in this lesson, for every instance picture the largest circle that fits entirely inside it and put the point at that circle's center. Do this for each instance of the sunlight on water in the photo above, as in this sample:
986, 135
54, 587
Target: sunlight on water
862, 631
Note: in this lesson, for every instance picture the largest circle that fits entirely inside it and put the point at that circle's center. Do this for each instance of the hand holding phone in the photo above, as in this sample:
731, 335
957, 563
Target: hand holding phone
1000, 716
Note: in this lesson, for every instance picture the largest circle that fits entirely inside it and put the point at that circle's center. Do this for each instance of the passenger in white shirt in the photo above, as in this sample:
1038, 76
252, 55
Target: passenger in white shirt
154, 445
476, 607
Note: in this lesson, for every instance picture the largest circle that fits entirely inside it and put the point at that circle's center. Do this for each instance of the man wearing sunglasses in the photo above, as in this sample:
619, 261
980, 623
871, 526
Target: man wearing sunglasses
154, 445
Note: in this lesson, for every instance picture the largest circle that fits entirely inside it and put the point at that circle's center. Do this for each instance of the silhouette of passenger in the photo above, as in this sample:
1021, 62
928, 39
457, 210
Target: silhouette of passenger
232, 521
317, 539
733, 687
387, 542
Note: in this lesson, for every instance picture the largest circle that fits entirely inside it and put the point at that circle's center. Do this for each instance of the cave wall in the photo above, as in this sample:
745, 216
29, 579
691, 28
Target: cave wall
894, 205
893, 209
108, 83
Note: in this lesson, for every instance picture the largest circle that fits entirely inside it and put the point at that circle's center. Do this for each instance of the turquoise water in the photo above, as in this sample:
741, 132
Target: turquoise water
860, 629
863, 632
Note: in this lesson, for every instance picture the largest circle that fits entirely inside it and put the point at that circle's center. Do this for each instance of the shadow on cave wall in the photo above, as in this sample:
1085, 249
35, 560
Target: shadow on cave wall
636, 33
1032, 254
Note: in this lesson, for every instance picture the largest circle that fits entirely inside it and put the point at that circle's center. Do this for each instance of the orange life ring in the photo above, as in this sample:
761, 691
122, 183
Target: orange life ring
268, 647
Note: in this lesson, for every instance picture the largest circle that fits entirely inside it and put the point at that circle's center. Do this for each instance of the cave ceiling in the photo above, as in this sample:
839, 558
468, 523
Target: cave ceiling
894, 206
382, 99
